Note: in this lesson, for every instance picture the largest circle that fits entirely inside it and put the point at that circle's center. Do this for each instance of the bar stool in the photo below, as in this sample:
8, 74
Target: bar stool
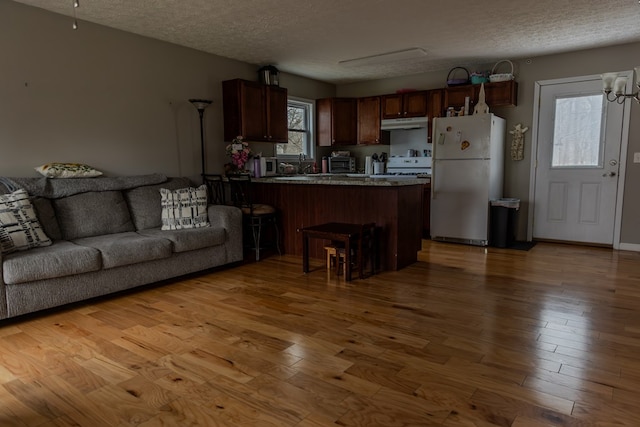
256, 215
215, 185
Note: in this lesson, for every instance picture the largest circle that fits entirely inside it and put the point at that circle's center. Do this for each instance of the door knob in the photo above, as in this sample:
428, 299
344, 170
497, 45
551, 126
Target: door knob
609, 174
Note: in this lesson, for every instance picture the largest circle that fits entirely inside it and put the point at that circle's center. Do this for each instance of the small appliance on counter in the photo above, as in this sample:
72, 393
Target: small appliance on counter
266, 166
342, 164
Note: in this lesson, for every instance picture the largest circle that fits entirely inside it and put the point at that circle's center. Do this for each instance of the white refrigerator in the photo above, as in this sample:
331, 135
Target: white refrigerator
467, 173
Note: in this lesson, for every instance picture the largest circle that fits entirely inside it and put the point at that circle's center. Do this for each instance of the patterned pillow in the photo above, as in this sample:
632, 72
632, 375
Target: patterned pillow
184, 208
19, 226
67, 170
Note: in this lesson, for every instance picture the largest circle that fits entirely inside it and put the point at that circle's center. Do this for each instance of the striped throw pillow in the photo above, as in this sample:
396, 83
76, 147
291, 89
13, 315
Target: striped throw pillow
184, 208
19, 226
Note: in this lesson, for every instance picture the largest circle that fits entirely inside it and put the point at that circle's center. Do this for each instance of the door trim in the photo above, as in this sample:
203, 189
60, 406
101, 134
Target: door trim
624, 142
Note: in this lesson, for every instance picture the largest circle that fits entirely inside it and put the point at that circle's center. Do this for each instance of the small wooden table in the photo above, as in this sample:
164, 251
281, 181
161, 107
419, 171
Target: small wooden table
343, 232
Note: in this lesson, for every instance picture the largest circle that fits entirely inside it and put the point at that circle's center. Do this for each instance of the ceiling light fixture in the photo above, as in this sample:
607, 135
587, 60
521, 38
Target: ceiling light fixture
613, 83
381, 58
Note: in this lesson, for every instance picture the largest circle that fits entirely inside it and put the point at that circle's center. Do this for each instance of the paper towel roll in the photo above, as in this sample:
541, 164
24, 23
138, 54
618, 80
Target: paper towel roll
368, 168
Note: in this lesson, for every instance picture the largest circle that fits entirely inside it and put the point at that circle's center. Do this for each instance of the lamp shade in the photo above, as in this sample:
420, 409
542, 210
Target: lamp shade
607, 81
619, 84
200, 104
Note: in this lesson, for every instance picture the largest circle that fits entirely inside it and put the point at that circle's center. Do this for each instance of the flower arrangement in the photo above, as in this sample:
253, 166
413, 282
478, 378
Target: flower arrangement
239, 152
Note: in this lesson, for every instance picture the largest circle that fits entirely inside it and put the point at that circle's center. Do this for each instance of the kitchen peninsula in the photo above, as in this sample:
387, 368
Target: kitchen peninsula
394, 204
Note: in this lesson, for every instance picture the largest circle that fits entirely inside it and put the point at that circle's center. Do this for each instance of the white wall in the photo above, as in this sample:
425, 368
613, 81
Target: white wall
111, 99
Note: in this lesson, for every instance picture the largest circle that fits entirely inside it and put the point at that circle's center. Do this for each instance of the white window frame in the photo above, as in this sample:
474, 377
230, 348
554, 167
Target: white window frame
309, 105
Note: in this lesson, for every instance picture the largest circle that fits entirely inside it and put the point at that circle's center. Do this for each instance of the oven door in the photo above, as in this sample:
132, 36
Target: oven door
340, 165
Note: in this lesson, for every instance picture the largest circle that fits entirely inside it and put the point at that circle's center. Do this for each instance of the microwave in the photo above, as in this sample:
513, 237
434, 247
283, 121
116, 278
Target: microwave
340, 164
268, 166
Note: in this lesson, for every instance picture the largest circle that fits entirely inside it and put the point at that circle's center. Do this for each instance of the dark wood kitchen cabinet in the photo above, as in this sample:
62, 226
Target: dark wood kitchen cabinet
401, 105
435, 108
426, 211
498, 94
257, 112
455, 97
336, 121
369, 132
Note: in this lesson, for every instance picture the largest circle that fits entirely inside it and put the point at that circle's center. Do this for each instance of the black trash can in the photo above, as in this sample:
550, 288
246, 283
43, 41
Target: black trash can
504, 219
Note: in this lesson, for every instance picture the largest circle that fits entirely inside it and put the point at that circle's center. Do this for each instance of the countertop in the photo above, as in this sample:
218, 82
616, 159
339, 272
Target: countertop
343, 179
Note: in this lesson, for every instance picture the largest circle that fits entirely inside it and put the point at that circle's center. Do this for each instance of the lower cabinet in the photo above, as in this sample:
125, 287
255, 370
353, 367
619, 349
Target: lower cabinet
426, 211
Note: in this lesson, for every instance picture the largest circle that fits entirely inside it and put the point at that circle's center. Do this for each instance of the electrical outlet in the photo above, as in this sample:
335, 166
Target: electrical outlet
636, 157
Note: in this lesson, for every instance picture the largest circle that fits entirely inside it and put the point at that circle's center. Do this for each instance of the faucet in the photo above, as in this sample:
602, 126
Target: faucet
303, 169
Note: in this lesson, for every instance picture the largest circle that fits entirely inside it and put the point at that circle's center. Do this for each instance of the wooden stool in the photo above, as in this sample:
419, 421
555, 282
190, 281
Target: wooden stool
335, 256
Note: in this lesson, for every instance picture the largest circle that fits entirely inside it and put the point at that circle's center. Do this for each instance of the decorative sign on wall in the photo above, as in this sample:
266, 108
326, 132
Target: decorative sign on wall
517, 145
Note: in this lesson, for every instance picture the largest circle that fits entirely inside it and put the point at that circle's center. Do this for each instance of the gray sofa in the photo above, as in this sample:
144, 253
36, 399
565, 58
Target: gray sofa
106, 238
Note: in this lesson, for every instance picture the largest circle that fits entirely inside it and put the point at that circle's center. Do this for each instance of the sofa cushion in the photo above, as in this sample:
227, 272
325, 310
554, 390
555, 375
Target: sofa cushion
144, 202
62, 258
190, 239
19, 226
127, 248
92, 214
47, 217
184, 208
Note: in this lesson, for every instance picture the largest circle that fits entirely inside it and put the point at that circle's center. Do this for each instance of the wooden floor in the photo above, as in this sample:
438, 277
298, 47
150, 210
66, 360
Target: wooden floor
466, 337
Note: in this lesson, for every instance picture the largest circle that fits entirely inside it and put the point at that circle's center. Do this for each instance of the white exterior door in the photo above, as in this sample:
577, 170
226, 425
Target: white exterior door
577, 168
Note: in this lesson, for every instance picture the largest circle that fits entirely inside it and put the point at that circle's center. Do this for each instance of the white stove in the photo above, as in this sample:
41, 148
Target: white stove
415, 167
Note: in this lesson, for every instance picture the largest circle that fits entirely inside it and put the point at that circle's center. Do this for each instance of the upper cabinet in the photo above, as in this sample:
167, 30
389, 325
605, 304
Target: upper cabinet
498, 94
434, 108
369, 132
257, 112
409, 104
336, 121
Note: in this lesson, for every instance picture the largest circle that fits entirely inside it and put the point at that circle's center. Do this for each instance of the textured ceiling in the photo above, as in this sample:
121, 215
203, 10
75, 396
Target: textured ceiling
310, 38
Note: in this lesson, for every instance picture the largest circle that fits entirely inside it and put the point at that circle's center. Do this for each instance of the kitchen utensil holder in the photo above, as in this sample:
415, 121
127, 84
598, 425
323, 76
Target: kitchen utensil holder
457, 82
501, 77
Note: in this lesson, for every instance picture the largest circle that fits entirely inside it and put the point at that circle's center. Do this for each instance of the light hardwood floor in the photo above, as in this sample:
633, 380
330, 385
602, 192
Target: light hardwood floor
466, 337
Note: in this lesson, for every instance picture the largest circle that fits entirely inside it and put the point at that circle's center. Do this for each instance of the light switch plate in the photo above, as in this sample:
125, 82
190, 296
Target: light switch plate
636, 157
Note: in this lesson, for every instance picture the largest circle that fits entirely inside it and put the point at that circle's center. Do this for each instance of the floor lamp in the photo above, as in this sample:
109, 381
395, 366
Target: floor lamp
201, 105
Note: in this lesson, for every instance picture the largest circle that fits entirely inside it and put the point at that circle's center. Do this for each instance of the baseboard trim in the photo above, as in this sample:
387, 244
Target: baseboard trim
629, 247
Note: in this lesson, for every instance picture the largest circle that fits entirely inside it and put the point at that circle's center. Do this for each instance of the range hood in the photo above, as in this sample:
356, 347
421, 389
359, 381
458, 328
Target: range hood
409, 123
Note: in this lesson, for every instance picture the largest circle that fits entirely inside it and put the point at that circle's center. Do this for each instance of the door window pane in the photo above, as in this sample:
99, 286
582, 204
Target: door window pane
577, 133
